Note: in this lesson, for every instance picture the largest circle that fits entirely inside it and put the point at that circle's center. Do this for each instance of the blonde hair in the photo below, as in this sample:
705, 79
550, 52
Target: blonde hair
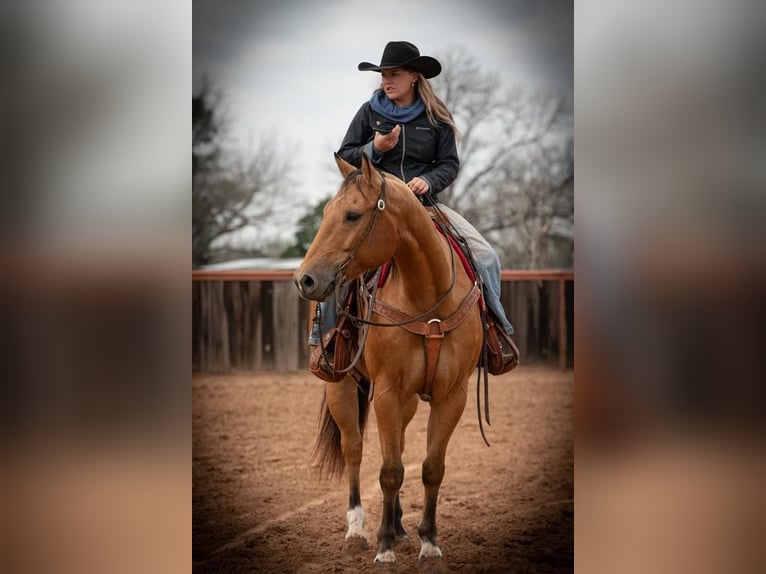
436, 110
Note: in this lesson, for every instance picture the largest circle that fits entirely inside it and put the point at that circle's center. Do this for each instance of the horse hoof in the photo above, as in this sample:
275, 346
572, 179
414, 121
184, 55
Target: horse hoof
429, 553
356, 544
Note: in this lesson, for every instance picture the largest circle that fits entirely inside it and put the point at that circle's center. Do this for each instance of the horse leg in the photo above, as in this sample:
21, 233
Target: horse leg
410, 408
388, 412
343, 402
442, 421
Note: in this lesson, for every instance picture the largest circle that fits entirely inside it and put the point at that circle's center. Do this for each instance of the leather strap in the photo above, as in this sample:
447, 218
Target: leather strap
433, 331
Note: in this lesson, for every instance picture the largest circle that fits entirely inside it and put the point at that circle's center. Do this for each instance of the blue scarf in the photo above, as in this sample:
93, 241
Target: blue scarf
383, 106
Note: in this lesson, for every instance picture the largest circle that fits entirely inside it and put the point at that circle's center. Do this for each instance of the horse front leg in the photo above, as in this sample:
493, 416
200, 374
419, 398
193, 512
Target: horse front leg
442, 421
356, 537
408, 412
389, 417
344, 405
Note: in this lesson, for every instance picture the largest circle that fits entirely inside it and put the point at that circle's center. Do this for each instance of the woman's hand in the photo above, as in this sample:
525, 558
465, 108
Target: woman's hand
387, 142
418, 185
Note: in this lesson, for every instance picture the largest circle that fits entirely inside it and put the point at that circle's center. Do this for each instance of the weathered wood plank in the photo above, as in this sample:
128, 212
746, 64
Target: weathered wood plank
262, 325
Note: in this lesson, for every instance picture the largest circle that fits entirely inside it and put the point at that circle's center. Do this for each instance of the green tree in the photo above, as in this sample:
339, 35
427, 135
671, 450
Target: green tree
307, 229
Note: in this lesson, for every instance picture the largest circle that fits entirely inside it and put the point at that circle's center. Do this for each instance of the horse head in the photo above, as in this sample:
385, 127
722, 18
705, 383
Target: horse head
358, 232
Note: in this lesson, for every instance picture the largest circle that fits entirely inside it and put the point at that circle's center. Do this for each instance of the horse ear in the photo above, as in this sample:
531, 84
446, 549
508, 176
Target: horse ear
369, 171
344, 167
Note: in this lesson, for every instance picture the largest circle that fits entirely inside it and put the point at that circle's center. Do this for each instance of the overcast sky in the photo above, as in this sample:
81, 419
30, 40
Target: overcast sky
287, 69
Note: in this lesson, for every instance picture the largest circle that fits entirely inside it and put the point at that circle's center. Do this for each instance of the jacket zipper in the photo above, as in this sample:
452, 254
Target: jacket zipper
404, 149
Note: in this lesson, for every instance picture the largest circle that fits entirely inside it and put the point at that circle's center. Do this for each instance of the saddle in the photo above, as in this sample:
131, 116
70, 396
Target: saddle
330, 360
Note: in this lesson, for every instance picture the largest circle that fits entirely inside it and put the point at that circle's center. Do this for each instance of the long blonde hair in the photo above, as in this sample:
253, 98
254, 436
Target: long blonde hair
436, 110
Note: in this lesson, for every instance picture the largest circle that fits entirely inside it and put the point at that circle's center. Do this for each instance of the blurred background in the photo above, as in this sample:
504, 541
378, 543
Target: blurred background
669, 304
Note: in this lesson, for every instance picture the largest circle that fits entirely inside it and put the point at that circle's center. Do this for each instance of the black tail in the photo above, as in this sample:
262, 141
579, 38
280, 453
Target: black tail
327, 454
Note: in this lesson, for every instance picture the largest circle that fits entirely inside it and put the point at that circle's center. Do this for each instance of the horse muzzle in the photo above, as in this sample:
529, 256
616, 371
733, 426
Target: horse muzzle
315, 285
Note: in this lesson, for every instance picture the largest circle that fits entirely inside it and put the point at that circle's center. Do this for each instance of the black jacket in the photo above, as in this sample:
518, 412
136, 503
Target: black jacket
423, 150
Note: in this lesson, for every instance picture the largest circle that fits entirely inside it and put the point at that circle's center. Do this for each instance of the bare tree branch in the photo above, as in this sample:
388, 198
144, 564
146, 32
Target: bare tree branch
230, 190
517, 167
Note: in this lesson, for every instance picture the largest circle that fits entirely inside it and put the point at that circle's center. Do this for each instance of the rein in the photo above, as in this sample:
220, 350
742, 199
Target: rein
358, 321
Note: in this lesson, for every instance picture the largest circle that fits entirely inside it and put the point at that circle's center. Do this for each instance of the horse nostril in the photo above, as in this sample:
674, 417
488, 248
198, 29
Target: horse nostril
307, 282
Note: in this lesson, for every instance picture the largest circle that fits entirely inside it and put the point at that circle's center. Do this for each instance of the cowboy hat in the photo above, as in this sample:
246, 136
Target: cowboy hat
404, 55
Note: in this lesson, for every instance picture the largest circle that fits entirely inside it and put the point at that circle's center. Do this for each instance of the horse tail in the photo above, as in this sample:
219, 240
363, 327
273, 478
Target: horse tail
327, 454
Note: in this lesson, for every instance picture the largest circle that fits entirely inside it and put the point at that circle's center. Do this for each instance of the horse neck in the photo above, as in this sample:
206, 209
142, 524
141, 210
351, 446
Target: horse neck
421, 256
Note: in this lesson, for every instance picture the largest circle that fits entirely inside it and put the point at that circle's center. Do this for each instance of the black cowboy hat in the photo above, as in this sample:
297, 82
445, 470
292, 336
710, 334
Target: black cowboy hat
404, 55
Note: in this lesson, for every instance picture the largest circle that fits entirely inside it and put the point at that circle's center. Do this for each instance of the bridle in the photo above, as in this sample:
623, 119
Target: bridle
341, 278
381, 205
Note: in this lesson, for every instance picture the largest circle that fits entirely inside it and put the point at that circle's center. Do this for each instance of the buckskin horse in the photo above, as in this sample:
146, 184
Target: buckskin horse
424, 340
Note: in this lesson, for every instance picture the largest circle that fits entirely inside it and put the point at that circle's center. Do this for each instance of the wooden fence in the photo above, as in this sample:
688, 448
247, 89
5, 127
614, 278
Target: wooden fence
255, 320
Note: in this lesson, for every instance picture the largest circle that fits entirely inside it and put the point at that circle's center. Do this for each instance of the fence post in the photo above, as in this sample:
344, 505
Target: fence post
562, 324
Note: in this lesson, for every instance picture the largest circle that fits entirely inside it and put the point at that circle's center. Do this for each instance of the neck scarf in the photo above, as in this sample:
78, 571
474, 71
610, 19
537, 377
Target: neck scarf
382, 105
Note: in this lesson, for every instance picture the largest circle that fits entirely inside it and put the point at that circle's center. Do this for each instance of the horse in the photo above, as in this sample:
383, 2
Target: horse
423, 342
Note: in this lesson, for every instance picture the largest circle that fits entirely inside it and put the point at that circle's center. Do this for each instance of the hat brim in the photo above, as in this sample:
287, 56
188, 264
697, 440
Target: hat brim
426, 65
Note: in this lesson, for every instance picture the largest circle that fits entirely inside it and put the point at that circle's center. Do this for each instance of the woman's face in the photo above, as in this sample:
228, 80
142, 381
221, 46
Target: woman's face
397, 85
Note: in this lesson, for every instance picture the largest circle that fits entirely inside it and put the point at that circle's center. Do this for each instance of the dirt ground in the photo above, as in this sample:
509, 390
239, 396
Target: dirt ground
258, 506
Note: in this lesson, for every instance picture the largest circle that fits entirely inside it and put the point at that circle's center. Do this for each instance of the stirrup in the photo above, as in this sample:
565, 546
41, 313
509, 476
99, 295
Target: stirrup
508, 349
322, 361
326, 363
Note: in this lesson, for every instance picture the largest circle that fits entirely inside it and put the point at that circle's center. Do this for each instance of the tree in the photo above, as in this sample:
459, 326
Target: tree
225, 183
308, 225
516, 151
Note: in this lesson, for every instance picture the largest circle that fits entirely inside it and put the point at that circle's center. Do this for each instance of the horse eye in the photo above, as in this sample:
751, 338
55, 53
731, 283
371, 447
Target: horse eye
353, 216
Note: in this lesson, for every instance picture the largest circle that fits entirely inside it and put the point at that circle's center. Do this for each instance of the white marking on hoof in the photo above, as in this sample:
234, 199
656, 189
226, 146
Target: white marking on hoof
428, 550
355, 520
387, 556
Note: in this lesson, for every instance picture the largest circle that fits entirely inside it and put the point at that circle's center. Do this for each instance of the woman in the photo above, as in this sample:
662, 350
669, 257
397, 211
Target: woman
408, 132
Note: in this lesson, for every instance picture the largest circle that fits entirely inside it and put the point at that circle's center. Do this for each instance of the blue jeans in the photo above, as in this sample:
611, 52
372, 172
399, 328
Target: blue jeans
487, 264
329, 311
